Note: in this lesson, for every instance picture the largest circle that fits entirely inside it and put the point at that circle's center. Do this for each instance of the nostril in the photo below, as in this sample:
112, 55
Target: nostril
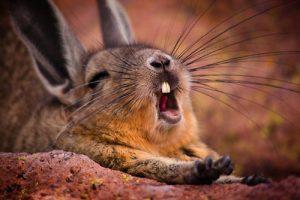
156, 64
160, 63
166, 62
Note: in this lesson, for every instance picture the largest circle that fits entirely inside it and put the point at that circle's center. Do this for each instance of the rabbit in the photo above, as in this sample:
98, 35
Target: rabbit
126, 106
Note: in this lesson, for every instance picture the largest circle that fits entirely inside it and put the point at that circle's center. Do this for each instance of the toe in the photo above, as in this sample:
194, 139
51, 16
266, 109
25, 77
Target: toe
225, 162
228, 170
208, 163
200, 166
254, 180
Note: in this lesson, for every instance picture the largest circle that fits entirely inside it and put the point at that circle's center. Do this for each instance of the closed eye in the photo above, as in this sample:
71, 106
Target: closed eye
97, 78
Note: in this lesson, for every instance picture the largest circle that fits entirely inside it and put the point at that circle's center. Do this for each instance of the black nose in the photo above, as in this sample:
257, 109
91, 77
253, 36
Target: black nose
160, 62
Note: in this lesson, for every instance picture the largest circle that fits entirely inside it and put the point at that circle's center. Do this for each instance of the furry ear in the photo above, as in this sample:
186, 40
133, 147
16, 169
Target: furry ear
115, 24
56, 52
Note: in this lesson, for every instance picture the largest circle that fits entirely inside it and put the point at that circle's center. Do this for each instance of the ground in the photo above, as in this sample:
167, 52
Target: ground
59, 175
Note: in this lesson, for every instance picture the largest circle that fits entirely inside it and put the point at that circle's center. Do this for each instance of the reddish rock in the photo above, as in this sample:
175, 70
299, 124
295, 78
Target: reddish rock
60, 174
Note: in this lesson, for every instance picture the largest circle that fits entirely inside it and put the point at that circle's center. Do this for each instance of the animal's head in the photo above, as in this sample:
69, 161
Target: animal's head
123, 80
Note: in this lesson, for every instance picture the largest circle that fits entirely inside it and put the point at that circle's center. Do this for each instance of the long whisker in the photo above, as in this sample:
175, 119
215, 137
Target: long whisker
103, 107
72, 123
238, 24
222, 66
82, 86
186, 50
128, 100
93, 94
246, 76
276, 97
223, 40
78, 101
169, 27
245, 82
230, 45
182, 33
119, 89
188, 29
244, 57
227, 104
208, 87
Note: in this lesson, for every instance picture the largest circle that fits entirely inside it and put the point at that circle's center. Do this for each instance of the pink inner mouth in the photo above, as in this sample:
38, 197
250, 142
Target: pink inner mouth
163, 103
168, 108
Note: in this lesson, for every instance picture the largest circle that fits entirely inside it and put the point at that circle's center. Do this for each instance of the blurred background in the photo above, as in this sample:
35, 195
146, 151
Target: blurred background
254, 123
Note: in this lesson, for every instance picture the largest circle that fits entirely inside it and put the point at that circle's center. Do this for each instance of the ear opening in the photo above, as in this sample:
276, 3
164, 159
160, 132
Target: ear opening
115, 24
56, 52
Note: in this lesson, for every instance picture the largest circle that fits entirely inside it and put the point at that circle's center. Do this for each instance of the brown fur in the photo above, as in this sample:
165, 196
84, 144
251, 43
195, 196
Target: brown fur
139, 144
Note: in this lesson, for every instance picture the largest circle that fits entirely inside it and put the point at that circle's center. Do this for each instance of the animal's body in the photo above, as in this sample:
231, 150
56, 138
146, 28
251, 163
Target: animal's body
129, 104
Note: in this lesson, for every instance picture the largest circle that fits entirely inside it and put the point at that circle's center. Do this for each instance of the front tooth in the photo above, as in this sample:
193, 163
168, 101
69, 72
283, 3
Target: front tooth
165, 88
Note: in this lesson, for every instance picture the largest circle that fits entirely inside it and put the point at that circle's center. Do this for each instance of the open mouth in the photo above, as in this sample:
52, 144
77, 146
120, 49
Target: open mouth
168, 107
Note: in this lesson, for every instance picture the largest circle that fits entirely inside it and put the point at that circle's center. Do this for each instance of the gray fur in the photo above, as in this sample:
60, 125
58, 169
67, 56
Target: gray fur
115, 24
23, 19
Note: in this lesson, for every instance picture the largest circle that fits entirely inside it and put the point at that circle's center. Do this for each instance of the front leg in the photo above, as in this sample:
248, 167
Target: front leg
144, 164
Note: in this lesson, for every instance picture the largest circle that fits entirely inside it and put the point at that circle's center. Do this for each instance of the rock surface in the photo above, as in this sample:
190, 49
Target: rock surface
66, 175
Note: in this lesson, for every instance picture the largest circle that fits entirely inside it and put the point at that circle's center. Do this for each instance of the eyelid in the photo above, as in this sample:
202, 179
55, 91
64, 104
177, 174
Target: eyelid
97, 78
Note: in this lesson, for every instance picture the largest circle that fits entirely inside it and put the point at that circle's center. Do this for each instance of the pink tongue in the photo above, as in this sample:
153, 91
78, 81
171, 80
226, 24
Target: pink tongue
163, 103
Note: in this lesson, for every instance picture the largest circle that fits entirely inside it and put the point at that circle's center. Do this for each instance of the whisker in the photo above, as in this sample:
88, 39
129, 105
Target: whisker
230, 45
122, 72
186, 32
128, 101
221, 66
72, 123
123, 60
169, 29
230, 95
227, 104
245, 57
82, 86
119, 89
245, 82
223, 40
246, 76
276, 97
82, 99
103, 107
238, 24
186, 50
93, 94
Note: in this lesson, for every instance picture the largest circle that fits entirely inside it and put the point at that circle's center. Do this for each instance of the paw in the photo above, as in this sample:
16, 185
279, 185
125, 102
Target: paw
208, 170
254, 180
205, 173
